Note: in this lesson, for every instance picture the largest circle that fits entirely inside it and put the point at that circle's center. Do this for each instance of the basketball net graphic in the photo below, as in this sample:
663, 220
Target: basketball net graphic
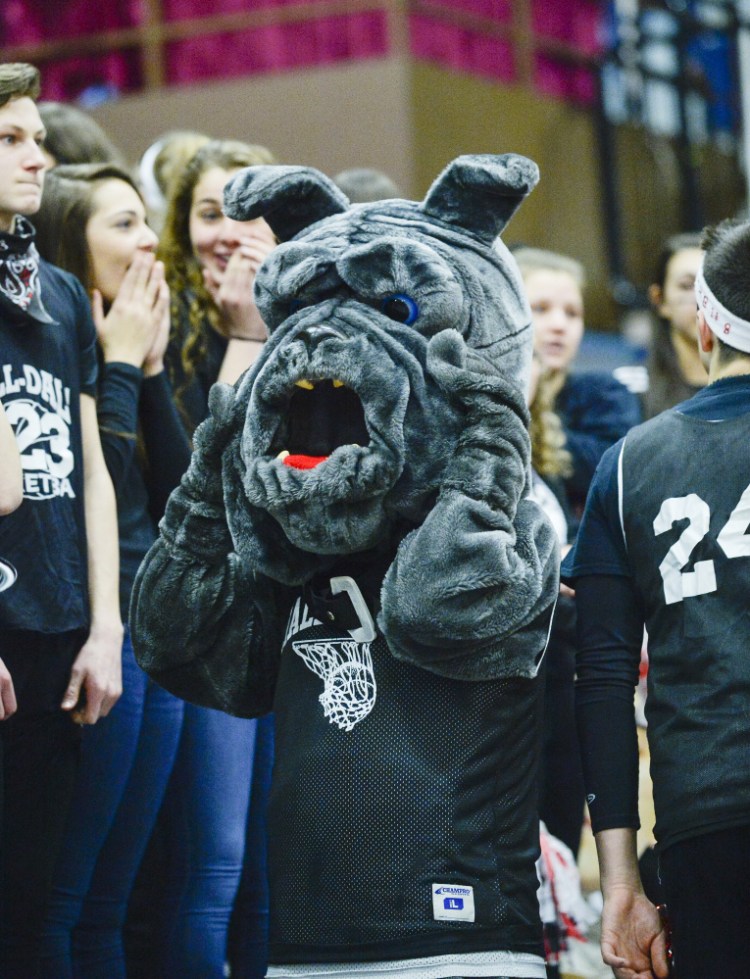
345, 667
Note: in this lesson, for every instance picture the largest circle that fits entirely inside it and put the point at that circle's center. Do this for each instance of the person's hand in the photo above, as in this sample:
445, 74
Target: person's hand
128, 331
154, 362
232, 290
8, 703
633, 941
96, 677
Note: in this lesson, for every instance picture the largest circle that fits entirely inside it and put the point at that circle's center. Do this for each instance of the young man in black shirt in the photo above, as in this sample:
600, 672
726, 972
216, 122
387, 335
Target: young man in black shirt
665, 543
60, 628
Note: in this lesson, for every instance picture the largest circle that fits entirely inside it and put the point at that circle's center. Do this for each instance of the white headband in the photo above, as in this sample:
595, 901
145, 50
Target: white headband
729, 328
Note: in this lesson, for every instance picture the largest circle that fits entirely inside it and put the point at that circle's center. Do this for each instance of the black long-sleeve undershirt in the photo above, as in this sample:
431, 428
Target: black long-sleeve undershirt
128, 403
165, 443
117, 414
610, 635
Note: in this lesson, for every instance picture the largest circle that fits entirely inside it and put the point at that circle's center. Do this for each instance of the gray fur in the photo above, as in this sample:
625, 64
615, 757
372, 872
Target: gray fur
290, 198
475, 575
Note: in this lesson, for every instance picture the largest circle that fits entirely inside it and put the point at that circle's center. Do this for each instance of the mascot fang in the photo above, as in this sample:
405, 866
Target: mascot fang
353, 548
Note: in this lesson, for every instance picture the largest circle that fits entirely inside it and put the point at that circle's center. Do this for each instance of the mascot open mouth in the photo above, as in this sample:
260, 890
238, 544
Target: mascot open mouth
321, 416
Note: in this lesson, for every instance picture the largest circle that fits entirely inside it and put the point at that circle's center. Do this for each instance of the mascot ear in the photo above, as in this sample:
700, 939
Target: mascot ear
289, 198
481, 193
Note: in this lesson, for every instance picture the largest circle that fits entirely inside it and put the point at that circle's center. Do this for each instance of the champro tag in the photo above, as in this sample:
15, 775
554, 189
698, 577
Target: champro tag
452, 902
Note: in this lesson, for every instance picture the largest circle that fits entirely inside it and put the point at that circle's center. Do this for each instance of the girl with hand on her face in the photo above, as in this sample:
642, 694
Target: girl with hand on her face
92, 223
210, 263
213, 821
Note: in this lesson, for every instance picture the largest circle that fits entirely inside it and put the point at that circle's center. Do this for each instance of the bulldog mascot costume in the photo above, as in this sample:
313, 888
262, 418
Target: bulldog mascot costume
353, 549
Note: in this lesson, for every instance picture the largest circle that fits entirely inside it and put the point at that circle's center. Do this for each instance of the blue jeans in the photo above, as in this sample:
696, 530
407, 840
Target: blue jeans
205, 818
126, 762
248, 940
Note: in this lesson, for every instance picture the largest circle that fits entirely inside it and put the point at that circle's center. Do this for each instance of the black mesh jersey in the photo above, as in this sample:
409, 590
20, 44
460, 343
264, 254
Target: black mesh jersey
402, 819
685, 491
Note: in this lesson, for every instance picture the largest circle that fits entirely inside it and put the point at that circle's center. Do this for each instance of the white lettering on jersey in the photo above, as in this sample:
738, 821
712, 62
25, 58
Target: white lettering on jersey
39, 383
8, 575
299, 619
734, 540
41, 422
679, 584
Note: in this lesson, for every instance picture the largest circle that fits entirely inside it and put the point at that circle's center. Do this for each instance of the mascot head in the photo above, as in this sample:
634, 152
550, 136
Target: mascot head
345, 425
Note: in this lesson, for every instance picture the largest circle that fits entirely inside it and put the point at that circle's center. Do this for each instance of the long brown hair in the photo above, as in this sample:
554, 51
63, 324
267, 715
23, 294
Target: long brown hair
183, 271
666, 385
67, 206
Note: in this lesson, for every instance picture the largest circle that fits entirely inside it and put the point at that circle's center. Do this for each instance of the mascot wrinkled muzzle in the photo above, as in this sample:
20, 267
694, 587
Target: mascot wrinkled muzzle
351, 415
379, 445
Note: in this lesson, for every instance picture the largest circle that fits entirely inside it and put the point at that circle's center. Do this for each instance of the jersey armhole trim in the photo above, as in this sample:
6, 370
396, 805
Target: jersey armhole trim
620, 496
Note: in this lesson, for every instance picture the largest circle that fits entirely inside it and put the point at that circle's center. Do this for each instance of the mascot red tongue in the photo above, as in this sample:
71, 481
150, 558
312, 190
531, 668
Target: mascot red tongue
299, 461
390, 608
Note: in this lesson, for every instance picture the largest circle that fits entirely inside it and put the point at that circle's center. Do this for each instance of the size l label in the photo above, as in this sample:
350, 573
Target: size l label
452, 902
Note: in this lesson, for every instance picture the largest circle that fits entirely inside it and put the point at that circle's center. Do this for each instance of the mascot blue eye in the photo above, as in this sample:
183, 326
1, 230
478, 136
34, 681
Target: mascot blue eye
401, 308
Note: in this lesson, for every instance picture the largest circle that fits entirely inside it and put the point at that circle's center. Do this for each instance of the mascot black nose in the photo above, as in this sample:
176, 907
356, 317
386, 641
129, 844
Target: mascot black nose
312, 335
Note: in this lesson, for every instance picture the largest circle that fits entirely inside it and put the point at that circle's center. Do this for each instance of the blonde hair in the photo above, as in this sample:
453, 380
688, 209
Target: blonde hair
540, 260
548, 453
175, 150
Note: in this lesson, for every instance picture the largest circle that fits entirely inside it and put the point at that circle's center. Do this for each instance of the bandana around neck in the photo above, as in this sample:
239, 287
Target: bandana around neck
19, 270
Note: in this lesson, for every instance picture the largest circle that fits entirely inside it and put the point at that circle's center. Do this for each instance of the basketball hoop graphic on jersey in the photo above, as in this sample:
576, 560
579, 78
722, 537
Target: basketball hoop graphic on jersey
345, 667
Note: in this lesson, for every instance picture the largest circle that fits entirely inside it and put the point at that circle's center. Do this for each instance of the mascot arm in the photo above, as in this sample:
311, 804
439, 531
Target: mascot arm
195, 612
471, 592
